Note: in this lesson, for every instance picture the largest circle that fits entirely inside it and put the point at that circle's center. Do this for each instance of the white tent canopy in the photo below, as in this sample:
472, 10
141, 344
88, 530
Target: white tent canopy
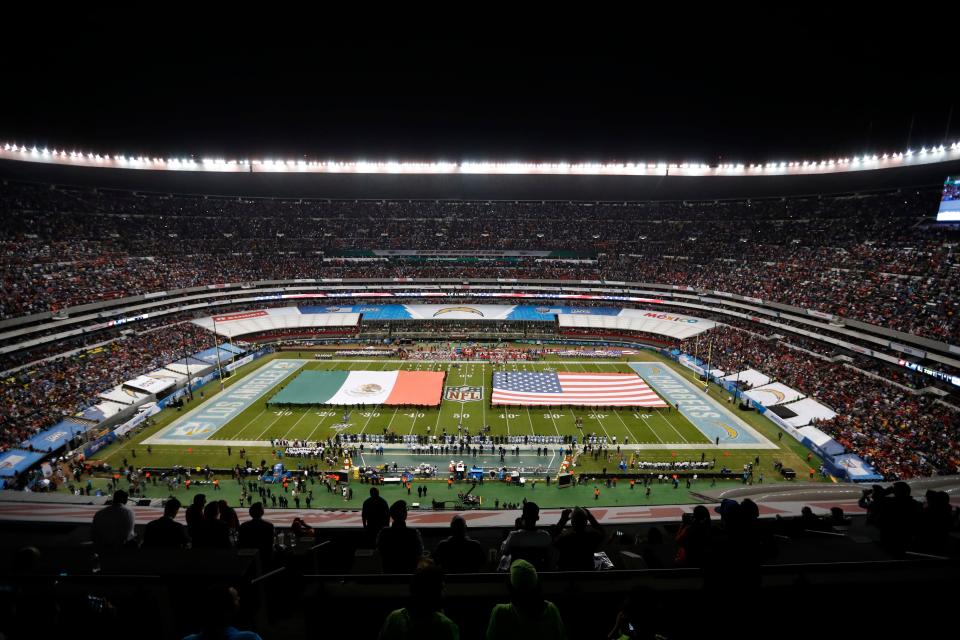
670, 328
773, 394
749, 376
807, 411
279, 321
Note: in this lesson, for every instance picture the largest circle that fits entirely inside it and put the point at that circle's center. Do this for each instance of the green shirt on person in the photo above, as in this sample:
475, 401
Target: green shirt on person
400, 624
506, 623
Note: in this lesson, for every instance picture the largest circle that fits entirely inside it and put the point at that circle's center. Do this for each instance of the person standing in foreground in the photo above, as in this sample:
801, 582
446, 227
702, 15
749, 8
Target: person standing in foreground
399, 546
166, 532
257, 533
113, 525
375, 514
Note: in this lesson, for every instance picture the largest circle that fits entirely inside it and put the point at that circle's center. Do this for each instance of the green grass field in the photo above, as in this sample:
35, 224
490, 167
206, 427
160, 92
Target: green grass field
657, 427
260, 422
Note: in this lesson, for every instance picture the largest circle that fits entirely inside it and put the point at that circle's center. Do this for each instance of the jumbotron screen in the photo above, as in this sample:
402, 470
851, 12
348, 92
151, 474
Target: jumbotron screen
950, 202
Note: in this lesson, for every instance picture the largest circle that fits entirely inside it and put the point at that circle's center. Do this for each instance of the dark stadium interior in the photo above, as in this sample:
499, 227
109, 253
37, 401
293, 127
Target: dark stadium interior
838, 283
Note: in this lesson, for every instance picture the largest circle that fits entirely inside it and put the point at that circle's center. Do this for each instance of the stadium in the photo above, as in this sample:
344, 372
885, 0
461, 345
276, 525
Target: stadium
743, 378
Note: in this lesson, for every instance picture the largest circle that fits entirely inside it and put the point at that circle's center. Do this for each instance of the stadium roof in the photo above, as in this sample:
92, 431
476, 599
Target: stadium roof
865, 162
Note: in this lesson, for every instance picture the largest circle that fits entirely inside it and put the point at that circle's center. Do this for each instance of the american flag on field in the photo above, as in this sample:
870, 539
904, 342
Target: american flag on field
587, 389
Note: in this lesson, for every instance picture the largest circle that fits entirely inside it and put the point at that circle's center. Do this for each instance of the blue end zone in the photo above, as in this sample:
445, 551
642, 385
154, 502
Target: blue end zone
711, 418
208, 418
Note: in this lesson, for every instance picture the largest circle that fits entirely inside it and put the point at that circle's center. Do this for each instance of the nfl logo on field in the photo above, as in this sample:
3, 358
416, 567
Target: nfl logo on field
463, 394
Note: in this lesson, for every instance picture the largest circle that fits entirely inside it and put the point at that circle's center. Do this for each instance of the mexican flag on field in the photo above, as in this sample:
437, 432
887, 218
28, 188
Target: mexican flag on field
422, 388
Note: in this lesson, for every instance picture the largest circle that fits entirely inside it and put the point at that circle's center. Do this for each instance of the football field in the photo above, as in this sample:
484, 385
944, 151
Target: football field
242, 416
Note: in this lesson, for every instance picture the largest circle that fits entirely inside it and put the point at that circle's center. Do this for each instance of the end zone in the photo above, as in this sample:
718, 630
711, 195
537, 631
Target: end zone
710, 417
200, 424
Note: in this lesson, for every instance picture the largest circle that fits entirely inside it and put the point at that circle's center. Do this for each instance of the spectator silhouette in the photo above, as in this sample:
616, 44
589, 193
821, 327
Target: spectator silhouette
694, 539
423, 618
257, 533
165, 532
194, 513
221, 605
375, 514
935, 523
212, 532
744, 547
528, 615
459, 553
529, 543
898, 518
641, 616
577, 545
113, 525
809, 521
399, 546
229, 517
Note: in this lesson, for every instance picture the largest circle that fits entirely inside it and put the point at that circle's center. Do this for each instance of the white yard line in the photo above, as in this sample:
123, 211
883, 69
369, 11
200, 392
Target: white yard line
390, 424
270, 425
237, 436
554, 423
322, 419
633, 438
532, 432
414, 423
654, 431
685, 441
305, 412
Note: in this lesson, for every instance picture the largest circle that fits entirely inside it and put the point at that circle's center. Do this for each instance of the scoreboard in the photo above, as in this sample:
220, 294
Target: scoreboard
950, 201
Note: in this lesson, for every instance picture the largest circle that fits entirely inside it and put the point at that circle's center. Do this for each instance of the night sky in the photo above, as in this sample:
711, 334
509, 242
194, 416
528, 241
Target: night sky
644, 90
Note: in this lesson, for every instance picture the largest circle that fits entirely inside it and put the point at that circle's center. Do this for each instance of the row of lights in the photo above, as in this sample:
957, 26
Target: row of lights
217, 164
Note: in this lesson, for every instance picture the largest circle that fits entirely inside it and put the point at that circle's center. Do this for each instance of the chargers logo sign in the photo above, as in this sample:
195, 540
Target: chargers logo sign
461, 309
463, 394
731, 432
191, 430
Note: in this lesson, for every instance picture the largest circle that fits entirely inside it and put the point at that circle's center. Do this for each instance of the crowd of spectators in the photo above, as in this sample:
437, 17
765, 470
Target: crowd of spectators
37, 397
901, 434
868, 257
